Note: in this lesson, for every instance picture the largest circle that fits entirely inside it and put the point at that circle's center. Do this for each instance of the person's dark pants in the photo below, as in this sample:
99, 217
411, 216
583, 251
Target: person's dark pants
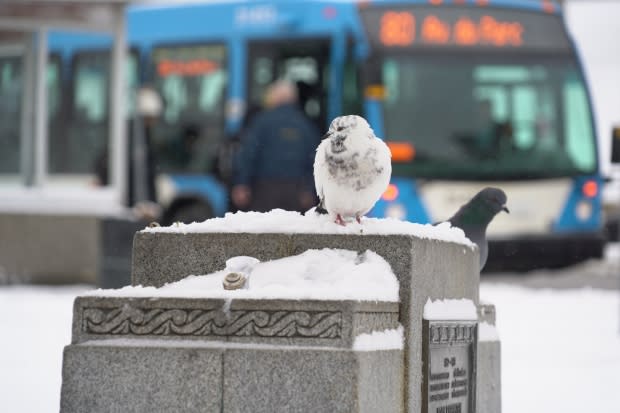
267, 195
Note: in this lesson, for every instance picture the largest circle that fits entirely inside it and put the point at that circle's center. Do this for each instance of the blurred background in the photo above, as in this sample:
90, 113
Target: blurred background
118, 114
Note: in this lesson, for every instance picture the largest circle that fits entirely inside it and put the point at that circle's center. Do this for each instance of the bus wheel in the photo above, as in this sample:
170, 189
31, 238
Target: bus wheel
187, 211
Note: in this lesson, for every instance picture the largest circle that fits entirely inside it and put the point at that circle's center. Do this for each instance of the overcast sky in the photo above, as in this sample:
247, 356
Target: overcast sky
595, 25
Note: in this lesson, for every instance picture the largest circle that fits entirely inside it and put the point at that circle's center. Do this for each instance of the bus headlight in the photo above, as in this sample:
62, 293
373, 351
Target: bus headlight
396, 211
583, 210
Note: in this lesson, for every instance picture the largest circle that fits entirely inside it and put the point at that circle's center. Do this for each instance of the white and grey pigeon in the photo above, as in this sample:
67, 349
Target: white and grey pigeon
352, 168
474, 217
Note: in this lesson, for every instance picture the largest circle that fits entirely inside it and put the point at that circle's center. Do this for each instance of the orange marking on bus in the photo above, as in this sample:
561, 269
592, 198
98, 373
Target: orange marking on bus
186, 68
590, 189
391, 193
401, 151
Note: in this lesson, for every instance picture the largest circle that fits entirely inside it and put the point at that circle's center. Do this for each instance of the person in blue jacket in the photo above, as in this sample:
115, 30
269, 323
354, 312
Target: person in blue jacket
274, 166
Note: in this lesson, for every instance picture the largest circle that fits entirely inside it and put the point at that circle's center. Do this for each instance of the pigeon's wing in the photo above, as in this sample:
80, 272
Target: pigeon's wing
320, 170
384, 154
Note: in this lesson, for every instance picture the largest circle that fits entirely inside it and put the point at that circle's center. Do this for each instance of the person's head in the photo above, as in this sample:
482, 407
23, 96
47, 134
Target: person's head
149, 104
279, 93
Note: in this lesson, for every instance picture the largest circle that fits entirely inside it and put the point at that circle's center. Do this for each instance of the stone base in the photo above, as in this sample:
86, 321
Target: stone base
489, 385
488, 391
185, 355
160, 376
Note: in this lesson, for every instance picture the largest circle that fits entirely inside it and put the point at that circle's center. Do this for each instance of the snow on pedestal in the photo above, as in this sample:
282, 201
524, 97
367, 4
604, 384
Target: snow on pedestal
290, 222
326, 274
391, 339
450, 309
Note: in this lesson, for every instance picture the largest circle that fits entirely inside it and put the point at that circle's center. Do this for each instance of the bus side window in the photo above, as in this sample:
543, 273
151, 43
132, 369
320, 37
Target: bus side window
10, 113
82, 136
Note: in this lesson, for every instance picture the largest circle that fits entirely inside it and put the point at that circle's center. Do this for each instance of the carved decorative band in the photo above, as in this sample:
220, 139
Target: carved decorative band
452, 333
127, 320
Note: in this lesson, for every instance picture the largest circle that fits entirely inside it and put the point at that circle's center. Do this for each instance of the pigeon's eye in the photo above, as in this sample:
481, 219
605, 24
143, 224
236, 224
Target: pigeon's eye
340, 128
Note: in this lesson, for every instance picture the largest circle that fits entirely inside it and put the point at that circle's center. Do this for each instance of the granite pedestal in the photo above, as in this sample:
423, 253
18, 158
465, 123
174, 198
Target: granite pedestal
259, 373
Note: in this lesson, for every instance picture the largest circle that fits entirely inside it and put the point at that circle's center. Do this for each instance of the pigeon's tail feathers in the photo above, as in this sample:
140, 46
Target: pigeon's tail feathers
320, 208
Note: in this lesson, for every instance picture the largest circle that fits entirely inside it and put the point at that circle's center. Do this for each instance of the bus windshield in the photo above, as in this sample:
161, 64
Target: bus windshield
485, 117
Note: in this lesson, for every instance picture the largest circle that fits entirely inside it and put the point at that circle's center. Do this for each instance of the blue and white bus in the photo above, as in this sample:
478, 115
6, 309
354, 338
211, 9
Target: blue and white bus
468, 93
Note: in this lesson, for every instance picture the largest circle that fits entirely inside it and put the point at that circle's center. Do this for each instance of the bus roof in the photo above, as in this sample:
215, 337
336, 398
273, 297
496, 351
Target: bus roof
219, 20
538, 5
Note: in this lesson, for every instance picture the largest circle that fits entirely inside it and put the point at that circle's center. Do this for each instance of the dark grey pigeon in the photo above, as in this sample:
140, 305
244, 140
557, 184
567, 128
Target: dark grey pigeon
474, 217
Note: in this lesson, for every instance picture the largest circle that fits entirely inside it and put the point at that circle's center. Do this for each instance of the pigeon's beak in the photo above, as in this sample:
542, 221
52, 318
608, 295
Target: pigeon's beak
325, 136
505, 208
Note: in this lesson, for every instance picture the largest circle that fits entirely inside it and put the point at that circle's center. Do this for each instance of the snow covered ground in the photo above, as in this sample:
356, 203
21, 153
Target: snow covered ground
560, 348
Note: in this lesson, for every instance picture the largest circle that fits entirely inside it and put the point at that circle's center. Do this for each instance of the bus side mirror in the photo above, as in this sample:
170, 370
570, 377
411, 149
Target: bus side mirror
615, 145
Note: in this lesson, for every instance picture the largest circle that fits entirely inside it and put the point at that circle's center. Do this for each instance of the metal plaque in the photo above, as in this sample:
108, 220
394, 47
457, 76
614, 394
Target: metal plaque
449, 363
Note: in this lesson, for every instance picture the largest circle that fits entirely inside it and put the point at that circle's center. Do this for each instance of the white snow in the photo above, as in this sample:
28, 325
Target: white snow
36, 325
487, 332
326, 274
392, 339
612, 253
281, 221
560, 348
242, 264
450, 309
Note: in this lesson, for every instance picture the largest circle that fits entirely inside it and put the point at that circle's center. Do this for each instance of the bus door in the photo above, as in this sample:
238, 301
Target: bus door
304, 62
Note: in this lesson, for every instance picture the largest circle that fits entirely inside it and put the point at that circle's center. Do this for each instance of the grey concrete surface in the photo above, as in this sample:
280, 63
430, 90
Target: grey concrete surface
312, 380
121, 377
182, 354
489, 380
49, 249
488, 368
130, 375
60, 249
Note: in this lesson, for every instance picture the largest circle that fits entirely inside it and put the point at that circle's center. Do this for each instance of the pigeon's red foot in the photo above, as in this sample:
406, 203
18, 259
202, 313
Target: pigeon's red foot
340, 221
358, 219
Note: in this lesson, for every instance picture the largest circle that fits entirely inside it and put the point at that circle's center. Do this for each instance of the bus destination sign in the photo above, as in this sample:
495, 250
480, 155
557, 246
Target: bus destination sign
462, 27
399, 29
